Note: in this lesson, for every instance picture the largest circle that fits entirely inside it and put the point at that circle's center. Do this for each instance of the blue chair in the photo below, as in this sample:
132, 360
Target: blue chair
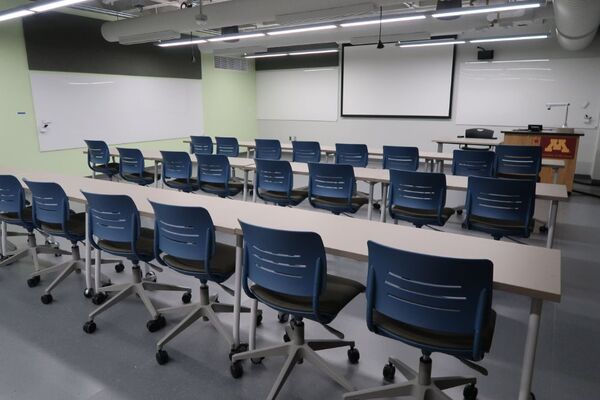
214, 176
356, 155
473, 163
115, 228
288, 271
185, 242
177, 171
401, 158
418, 198
132, 167
267, 149
201, 145
332, 187
436, 304
98, 158
500, 207
518, 162
275, 183
307, 152
228, 146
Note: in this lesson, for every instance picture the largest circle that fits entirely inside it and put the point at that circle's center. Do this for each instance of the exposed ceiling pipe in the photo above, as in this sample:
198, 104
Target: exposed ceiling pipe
577, 22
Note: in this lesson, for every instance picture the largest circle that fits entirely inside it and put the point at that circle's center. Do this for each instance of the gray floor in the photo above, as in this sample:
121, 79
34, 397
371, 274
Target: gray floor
46, 355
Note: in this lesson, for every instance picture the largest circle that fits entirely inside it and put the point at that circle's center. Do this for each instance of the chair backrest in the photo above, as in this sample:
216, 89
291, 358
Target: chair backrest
473, 163
433, 293
267, 149
183, 232
201, 145
274, 175
519, 161
401, 158
418, 190
503, 199
113, 217
228, 146
98, 152
213, 168
356, 155
307, 152
131, 161
12, 195
176, 165
49, 203
292, 263
479, 133
331, 180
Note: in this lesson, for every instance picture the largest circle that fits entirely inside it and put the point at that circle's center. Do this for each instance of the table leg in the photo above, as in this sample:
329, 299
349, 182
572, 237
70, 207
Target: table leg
245, 185
440, 147
3, 250
252, 333
254, 196
552, 223
88, 251
370, 210
237, 298
93, 174
97, 270
382, 217
440, 166
533, 329
431, 165
156, 173
555, 175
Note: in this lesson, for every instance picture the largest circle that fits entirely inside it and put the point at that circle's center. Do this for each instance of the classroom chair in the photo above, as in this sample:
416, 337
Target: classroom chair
98, 158
228, 146
518, 162
177, 171
332, 187
287, 271
478, 133
185, 242
214, 176
275, 183
306, 152
500, 207
401, 158
436, 304
201, 145
132, 167
473, 163
267, 149
356, 155
115, 228
418, 198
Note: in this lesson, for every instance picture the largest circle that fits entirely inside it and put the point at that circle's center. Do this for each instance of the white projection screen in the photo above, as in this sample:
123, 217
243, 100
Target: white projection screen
397, 82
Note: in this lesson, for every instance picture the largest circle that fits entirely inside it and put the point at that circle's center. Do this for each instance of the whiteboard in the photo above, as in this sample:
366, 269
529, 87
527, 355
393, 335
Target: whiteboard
309, 94
113, 108
514, 92
397, 82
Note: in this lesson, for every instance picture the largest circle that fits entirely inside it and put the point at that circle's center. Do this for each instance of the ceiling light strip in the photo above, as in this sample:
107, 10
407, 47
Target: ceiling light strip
430, 43
55, 4
486, 9
383, 21
302, 30
182, 43
225, 38
15, 14
509, 38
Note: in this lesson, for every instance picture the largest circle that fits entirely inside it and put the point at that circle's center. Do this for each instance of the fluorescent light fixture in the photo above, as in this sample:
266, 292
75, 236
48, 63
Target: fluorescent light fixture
301, 30
430, 43
182, 43
308, 52
508, 61
55, 4
383, 21
15, 14
486, 9
267, 55
236, 37
509, 38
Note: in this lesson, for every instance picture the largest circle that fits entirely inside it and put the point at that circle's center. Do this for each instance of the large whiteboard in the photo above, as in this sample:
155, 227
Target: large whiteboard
113, 108
515, 92
309, 94
397, 82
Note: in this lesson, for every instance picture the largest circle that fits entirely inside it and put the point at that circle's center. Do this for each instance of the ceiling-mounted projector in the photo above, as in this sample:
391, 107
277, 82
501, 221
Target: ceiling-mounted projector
444, 5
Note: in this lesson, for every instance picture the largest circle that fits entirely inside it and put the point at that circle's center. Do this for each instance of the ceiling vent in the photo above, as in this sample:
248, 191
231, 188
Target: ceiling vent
231, 63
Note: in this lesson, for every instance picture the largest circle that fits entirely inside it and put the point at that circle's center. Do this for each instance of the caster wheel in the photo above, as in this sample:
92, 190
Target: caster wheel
106, 284
33, 282
259, 319
156, 324
89, 327
186, 298
377, 206
389, 372
531, 396
88, 293
99, 298
470, 392
283, 317
119, 268
162, 357
543, 229
353, 355
236, 370
459, 212
150, 277
286, 338
242, 347
257, 361
47, 299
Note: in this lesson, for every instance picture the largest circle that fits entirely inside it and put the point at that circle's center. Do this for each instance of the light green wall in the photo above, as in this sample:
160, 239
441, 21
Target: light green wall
228, 96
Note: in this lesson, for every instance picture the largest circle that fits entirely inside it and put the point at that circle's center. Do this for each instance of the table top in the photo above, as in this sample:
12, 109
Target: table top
527, 270
467, 141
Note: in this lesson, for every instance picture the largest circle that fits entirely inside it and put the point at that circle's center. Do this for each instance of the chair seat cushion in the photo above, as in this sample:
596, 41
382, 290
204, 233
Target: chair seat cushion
75, 227
356, 203
222, 262
421, 213
13, 218
181, 183
236, 185
296, 197
144, 245
110, 168
146, 178
338, 292
495, 223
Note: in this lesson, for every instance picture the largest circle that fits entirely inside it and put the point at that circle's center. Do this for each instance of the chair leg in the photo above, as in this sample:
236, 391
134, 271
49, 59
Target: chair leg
71, 267
15, 257
164, 286
448, 382
380, 392
115, 288
317, 345
287, 368
49, 270
122, 295
218, 325
181, 326
272, 351
404, 369
139, 289
313, 358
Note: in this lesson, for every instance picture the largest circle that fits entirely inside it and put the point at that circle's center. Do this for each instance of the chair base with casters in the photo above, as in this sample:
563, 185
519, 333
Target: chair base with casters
33, 250
419, 386
207, 308
296, 349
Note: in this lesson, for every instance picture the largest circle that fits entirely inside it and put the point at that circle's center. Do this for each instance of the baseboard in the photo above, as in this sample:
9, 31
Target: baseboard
586, 180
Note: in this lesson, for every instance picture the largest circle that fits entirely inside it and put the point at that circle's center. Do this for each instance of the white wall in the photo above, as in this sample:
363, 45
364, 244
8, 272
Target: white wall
420, 132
